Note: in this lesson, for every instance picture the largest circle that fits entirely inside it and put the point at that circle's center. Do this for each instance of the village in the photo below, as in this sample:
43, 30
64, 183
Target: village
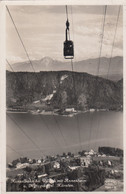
70, 112
86, 171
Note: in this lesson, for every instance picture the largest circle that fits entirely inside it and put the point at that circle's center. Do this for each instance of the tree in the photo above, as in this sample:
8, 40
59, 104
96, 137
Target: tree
64, 154
69, 154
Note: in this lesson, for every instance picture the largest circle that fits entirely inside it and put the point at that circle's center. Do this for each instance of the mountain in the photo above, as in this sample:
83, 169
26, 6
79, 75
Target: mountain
61, 89
89, 66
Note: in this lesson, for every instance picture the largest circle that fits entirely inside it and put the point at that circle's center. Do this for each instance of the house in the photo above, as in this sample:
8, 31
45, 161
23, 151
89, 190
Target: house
86, 153
10, 165
24, 165
42, 175
56, 165
103, 155
92, 152
70, 110
19, 174
51, 181
109, 163
85, 161
92, 109
73, 167
77, 156
30, 161
39, 161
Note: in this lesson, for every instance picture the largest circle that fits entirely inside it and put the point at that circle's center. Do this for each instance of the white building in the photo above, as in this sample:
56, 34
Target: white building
74, 167
70, 110
24, 165
42, 175
56, 165
39, 161
92, 152
92, 109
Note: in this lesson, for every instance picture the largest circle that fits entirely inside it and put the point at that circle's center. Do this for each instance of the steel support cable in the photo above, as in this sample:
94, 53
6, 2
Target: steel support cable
39, 115
73, 32
68, 20
75, 96
14, 150
14, 72
72, 22
26, 55
10, 65
113, 41
58, 126
20, 38
22, 42
115, 31
69, 30
66, 12
73, 70
28, 137
74, 83
98, 68
57, 143
91, 115
99, 62
72, 66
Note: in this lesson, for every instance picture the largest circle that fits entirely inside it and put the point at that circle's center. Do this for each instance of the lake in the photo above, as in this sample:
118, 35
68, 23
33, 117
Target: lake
36, 135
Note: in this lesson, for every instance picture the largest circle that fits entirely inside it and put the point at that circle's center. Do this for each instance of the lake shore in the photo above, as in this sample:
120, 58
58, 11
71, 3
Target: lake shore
60, 113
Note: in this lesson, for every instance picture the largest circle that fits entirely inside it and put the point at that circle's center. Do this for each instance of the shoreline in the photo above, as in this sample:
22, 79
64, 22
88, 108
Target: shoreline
67, 114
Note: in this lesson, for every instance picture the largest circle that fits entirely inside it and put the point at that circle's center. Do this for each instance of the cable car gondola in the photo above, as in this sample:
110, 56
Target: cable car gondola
68, 45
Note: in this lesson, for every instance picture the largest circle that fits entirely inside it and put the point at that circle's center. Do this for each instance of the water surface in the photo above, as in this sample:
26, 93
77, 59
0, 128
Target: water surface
48, 134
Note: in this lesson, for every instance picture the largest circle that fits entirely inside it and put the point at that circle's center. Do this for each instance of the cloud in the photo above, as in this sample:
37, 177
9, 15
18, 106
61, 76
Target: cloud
42, 29
61, 9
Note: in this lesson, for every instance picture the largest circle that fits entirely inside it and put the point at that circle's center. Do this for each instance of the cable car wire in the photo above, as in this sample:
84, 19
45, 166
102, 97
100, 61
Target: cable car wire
78, 127
29, 61
115, 31
25, 47
28, 137
10, 66
20, 37
57, 143
72, 65
74, 90
67, 21
66, 12
98, 68
113, 41
14, 72
72, 22
14, 150
65, 142
39, 115
99, 62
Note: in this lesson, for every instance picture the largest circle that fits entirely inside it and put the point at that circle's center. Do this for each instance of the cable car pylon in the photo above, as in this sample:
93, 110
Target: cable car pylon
68, 44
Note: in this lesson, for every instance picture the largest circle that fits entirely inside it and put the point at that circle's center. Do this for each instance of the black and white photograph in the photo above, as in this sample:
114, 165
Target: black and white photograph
64, 98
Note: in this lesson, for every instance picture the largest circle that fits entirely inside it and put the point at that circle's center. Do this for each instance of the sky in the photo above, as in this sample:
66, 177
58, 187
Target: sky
42, 29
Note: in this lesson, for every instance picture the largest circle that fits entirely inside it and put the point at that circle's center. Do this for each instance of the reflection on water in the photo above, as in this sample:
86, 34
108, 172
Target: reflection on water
58, 134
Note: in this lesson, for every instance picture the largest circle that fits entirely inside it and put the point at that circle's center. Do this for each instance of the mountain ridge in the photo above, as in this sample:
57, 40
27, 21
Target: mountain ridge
89, 65
50, 90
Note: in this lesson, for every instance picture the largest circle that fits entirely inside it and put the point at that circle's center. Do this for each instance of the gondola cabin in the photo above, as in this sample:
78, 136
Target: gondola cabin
68, 44
68, 49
